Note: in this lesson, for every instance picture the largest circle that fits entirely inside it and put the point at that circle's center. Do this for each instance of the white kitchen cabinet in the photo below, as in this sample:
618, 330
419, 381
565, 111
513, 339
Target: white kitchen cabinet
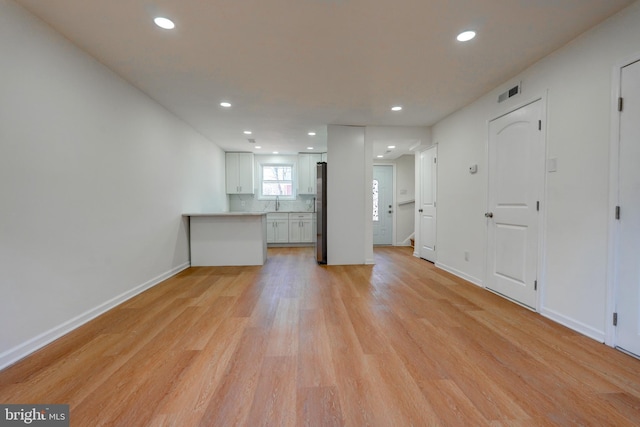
278, 228
301, 227
239, 173
307, 172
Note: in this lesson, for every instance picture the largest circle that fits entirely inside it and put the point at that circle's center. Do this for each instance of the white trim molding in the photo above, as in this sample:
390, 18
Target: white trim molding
22, 350
460, 274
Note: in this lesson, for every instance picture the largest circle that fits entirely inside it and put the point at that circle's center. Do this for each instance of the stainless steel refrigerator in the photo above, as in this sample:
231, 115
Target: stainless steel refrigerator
321, 213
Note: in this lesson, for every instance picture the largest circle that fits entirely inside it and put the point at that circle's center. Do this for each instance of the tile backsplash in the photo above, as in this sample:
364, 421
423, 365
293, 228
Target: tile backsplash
248, 203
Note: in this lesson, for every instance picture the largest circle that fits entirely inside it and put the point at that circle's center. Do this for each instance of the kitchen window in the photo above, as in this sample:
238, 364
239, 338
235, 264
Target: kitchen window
276, 180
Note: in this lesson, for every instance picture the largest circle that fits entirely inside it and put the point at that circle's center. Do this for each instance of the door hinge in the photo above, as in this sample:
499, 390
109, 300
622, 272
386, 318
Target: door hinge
538, 206
435, 160
620, 104
434, 204
539, 124
615, 319
535, 285
617, 212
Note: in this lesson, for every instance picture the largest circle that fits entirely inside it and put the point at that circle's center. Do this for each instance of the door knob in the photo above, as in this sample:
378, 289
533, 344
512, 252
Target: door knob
489, 215
390, 211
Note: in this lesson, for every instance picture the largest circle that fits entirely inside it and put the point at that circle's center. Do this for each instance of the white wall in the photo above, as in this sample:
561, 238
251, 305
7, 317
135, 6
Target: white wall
347, 208
576, 84
94, 177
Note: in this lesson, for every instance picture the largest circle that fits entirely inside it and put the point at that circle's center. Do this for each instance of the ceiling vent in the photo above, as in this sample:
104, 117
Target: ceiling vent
251, 140
510, 93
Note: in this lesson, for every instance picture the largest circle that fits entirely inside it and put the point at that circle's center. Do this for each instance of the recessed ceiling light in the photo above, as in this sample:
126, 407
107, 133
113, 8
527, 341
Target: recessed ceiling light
380, 156
391, 146
258, 147
165, 23
465, 36
275, 152
247, 132
396, 108
225, 104
309, 148
311, 134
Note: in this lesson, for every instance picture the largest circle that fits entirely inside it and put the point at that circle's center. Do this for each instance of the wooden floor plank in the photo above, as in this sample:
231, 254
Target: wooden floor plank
294, 343
274, 403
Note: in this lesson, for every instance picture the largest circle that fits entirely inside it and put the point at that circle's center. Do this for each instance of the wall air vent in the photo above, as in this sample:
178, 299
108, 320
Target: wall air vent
510, 93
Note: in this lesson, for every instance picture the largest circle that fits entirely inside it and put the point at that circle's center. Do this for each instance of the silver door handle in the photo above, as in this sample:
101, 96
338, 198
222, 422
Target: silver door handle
489, 215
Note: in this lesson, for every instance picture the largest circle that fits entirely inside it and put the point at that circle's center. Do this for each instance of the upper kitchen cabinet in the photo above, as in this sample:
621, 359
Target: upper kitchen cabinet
239, 173
307, 172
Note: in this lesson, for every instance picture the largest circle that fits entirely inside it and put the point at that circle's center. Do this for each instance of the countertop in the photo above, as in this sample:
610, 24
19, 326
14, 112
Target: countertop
225, 214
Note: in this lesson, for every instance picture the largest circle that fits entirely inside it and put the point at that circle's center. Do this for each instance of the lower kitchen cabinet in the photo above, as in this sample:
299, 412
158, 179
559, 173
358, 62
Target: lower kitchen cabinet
301, 227
292, 227
278, 228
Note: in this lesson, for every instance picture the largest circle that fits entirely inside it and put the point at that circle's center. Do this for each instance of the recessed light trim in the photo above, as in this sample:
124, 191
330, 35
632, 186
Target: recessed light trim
276, 152
391, 147
311, 134
465, 36
309, 148
164, 23
380, 156
396, 108
258, 147
225, 104
247, 132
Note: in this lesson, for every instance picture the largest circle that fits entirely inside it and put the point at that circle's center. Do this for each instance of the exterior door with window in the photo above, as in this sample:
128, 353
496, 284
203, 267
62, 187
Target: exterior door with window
383, 205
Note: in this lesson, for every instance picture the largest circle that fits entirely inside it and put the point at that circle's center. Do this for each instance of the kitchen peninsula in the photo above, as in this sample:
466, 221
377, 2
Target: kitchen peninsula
227, 238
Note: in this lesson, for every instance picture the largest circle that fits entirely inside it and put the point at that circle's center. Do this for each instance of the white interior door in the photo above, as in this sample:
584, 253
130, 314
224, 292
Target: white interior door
427, 203
516, 175
628, 259
383, 205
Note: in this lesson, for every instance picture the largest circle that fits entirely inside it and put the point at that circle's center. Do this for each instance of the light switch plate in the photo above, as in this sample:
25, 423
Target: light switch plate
552, 165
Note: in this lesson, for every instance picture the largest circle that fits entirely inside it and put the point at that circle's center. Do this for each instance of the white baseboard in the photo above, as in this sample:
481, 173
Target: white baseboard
573, 324
22, 350
460, 274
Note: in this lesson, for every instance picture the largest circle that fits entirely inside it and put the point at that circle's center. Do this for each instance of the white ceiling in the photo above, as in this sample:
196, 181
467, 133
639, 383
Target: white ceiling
294, 66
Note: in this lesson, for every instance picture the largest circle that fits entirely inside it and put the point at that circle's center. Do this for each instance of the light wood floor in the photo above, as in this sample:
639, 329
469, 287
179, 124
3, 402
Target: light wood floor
292, 343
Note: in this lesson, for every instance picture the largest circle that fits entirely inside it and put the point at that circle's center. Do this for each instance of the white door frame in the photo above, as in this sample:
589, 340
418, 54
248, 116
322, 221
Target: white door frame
393, 199
614, 167
542, 225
